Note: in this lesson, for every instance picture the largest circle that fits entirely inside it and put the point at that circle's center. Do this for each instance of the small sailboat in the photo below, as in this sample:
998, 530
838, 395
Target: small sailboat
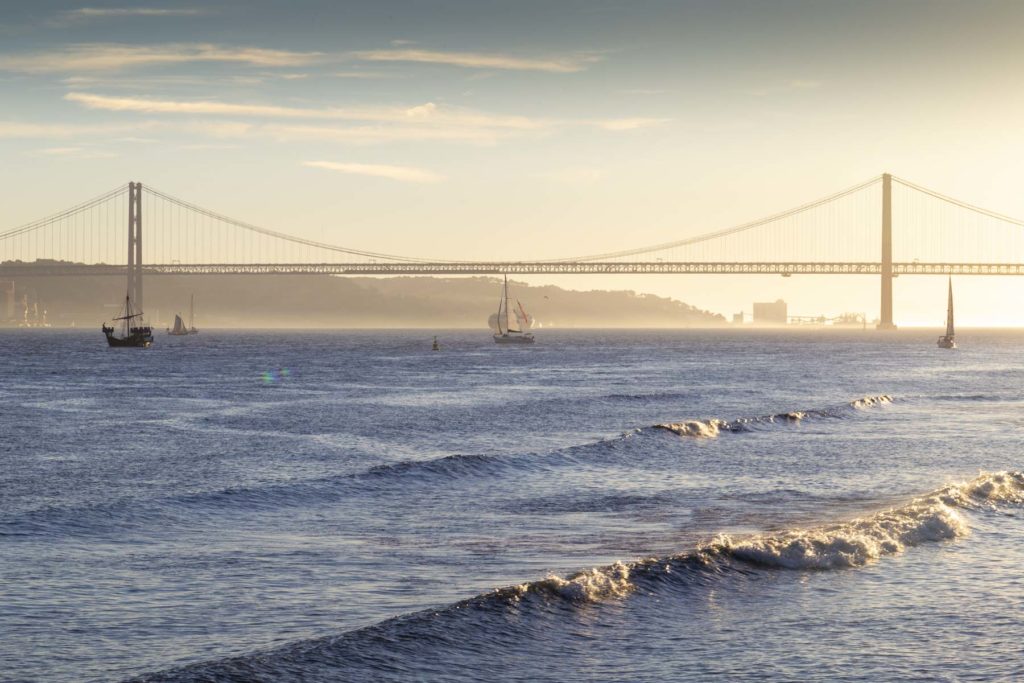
179, 329
510, 325
436, 346
948, 341
129, 332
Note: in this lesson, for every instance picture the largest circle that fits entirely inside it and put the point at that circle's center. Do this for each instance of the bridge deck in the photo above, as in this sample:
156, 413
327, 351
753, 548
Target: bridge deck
13, 269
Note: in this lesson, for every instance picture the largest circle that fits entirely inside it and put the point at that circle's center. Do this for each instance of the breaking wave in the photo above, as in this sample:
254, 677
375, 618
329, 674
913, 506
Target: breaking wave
705, 429
935, 517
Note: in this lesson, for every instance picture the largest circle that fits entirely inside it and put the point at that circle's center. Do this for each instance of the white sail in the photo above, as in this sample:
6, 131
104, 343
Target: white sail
511, 323
505, 320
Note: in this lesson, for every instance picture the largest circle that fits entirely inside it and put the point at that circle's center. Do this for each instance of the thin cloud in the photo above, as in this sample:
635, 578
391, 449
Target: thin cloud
22, 130
365, 135
220, 129
405, 174
369, 125
428, 113
102, 12
803, 84
59, 150
76, 152
630, 124
92, 57
479, 60
645, 91
366, 74
208, 146
789, 86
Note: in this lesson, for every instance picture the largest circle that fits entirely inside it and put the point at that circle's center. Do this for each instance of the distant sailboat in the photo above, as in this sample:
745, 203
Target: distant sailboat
179, 329
948, 341
130, 333
509, 325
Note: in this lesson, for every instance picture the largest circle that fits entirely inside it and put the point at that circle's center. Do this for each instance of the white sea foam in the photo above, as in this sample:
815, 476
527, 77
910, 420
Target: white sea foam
701, 429
934, 517
710, 428
937, 516
870, 401
588, 585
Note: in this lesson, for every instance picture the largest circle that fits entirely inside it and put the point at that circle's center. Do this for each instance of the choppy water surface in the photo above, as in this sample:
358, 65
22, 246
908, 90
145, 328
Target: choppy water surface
601, 506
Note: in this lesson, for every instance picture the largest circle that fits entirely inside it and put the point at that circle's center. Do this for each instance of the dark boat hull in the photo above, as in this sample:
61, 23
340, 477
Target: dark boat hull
513, 339
137, 338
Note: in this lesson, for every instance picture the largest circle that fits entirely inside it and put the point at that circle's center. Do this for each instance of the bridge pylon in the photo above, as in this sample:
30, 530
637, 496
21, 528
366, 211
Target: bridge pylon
135, 244
885, 321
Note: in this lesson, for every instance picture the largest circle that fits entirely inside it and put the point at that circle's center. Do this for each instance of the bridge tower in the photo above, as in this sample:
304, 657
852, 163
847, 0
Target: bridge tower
135, 244
885, 319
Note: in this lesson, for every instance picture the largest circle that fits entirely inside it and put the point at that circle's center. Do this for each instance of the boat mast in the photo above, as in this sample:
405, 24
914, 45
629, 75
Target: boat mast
508, 325
504, 301
126, 325
500, 303
949, 310
192, 311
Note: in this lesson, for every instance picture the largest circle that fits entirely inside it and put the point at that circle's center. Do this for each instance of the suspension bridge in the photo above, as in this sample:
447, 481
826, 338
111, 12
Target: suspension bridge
885, 227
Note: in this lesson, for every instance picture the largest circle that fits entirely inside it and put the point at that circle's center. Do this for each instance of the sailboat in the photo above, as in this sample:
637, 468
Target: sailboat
129, 333
947, 341
179, 329
502, 322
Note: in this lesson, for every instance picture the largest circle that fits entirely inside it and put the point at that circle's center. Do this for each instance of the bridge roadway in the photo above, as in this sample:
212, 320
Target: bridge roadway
56, 268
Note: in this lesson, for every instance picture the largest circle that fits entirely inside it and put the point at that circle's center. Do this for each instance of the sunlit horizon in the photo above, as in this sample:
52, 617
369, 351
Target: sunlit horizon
448, 135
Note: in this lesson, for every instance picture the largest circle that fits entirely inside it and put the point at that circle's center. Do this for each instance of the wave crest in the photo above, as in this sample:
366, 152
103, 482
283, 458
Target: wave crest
934, 517
870, 401
701, 429
711, 428
588, 585
927, 519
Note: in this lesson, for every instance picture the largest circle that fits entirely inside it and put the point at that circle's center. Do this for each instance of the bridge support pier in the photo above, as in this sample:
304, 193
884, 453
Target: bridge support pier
885, 321
131, 240
135, 244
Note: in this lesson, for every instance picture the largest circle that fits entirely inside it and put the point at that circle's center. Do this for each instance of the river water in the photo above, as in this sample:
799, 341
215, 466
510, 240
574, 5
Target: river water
611, 506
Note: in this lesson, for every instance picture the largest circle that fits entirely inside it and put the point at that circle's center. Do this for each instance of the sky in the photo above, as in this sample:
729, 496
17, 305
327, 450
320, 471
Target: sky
525, 130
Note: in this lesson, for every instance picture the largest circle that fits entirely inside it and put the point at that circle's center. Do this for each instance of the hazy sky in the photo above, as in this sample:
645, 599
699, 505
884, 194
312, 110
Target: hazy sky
524, 129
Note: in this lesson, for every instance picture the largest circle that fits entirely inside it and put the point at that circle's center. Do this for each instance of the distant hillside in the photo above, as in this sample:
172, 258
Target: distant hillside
326, 301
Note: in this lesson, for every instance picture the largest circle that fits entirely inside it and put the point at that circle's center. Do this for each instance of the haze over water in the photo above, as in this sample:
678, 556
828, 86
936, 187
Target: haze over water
340, 506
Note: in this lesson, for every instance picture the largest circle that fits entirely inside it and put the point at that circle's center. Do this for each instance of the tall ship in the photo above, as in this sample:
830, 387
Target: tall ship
948, 340
509, 324
179, 329
131, 331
